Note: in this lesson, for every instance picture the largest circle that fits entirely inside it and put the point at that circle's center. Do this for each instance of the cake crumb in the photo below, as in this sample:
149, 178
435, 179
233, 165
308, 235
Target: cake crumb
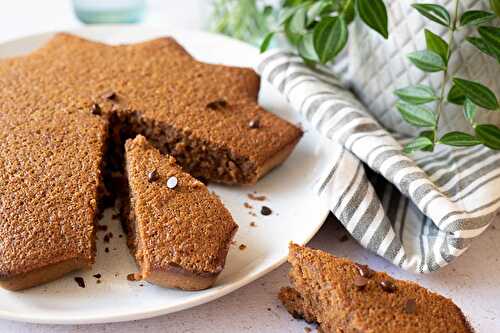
107, 237
257, 197
134, 277
307, 329
80, 281
242, 247
252, 224
247, 205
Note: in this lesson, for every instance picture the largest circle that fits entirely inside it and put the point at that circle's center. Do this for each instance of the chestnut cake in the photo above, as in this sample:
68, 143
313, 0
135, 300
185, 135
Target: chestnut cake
342, 296
67, 108
178, 232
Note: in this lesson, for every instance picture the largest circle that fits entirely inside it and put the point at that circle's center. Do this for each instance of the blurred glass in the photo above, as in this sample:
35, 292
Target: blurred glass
109, 11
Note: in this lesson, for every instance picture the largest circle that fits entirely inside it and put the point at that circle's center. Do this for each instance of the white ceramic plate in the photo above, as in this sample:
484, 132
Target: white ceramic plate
297, 213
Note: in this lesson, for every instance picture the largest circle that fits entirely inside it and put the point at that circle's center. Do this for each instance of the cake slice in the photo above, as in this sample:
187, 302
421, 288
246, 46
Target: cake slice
178, 232
51, 186
342, 296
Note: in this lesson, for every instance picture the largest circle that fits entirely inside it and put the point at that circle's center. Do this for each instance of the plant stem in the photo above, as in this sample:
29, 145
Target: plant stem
452, 29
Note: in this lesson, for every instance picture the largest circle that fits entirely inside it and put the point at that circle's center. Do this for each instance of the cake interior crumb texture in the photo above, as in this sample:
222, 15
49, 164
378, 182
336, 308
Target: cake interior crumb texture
65, 112
327, 290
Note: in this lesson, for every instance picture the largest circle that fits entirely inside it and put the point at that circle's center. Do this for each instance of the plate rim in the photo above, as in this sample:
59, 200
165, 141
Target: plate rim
145, 313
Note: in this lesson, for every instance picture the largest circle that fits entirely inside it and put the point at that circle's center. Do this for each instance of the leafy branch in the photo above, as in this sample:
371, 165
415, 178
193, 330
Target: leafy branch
470, 94
318, 29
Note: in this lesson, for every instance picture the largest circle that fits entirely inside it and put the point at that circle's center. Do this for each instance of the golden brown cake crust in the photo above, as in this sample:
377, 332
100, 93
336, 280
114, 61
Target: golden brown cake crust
52, 143
166, 93
326, 289
180, 236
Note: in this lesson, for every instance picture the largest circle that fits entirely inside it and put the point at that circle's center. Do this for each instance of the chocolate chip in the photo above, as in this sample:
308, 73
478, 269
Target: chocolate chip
360, 282
242, 247
172, 182
80, 281
217, 104
364, 271
252, 224
109, 95
153, 176
254, 123
96, 109
388, 286
411, 306
266, 211
106, 250
107, 237
97, 276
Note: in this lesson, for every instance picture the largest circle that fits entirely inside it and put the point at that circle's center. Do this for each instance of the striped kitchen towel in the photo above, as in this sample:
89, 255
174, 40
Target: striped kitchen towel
419, 212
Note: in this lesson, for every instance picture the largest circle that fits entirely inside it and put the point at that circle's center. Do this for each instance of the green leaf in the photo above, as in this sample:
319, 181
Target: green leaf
477, 93
436, 13
427, 61
420, 143
470, 110
495, 6
491, 35
374, 14
489, 135
416, 115
431, 135
349, 12
292, 37
476, 17
286, 13
436, 44
459, 139
298, 22
317, 9
456, 96
481, 45
418, 94
266, 42
330, 37
306, 48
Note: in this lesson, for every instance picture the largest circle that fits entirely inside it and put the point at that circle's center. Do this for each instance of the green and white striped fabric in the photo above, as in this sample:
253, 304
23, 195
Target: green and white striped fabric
419, 212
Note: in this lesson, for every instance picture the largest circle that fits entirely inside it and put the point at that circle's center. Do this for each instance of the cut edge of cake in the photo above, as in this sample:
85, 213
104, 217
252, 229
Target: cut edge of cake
333, 301
141, 202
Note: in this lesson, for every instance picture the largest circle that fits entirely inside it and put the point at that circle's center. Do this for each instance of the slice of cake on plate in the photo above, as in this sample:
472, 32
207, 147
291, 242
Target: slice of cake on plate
342, 296
178, 232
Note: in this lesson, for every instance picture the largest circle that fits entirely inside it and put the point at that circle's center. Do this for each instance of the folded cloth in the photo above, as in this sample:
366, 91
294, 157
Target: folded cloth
433, 204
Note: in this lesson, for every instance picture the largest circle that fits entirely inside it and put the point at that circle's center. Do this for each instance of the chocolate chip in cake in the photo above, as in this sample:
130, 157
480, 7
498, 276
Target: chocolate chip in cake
80, 281
364, 271
97, 276
106, 250
242, 247
360, 282
388, 286
411, 306
96, 109
266, 211
153, 176
172, 182
217, 104
109, 95
254, 123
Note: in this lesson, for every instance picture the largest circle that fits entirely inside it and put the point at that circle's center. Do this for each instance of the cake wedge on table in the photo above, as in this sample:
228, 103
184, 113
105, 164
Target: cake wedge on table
345, 297
178, 232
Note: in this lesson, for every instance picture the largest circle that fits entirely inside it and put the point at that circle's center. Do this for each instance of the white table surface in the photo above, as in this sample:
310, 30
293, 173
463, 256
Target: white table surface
473, 280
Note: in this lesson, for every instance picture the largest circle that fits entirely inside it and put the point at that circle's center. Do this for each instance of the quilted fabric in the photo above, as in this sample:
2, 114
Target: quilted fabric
378, 67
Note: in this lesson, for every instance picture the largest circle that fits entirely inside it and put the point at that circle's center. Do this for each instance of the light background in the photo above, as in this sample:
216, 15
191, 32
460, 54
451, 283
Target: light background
473, 280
